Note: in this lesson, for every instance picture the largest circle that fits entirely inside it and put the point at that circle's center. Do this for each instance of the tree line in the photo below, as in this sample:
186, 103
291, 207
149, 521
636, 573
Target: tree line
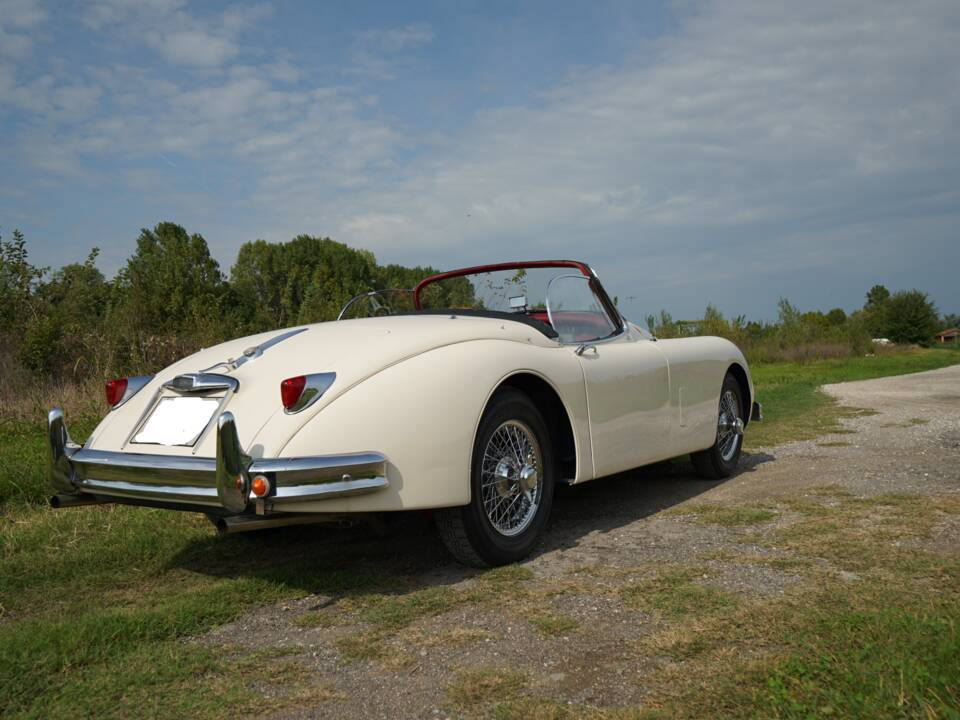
171, 298
905, 317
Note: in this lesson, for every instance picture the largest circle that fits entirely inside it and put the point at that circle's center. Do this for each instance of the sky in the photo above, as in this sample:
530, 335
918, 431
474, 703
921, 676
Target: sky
729, 152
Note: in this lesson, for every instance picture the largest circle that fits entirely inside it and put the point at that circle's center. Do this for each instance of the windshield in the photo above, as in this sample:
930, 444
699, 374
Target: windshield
561, 298
510, 290
378, 303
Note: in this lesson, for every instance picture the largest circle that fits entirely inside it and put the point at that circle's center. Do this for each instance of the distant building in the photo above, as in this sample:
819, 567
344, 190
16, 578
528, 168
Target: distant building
950, 335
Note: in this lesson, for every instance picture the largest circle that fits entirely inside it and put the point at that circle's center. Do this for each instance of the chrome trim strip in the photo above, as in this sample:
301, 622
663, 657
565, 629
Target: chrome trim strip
109, 464
252, 353
317, 463
340, 488
142, 491
317, 385
257, 350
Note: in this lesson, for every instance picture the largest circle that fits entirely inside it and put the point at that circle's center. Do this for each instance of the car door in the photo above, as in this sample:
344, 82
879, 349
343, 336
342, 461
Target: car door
626, 377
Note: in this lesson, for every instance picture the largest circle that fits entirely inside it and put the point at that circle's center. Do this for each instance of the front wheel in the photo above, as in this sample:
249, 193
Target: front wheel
721, 459
511, 486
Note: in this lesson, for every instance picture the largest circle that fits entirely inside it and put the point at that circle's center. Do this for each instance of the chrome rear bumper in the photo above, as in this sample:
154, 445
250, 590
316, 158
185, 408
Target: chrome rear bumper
81, 475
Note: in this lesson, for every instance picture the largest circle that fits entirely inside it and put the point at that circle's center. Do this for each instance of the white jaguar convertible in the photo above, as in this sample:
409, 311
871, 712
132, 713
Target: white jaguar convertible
472, 395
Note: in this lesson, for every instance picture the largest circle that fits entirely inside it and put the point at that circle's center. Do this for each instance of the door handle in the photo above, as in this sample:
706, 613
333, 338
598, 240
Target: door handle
582, 349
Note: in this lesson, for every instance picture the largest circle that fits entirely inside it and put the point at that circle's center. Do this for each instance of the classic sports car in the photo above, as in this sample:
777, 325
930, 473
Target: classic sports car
472, 395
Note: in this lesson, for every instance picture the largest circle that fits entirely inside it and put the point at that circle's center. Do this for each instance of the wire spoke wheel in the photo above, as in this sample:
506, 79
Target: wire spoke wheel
510, 482
511, 485
729, 426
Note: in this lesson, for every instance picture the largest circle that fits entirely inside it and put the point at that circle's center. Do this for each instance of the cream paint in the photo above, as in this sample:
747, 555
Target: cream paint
698, 365
414, 388
427, 429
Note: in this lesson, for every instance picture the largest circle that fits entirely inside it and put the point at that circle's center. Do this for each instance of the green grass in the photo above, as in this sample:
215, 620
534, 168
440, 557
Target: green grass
677, 592
551, 624
724, 515
795, 409
23, 476
474, 687
854, 663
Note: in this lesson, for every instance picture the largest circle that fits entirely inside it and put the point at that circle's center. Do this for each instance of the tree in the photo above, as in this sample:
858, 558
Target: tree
664, 327
67, 330
911, 318
836, 317
78, 293
875, 310
400, 276
18, 282
876, 296
341, 273
713, 322
815, 319
170, 284
305, 280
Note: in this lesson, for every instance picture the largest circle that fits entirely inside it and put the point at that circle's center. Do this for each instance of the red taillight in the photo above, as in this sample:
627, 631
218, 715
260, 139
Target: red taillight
291, 389
115, 390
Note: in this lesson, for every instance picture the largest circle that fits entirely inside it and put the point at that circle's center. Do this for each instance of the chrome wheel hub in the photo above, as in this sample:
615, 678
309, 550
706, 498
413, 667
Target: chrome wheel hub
510, 478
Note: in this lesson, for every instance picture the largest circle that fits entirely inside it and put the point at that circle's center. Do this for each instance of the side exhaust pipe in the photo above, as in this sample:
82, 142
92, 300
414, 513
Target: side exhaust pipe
62, 500
243, 523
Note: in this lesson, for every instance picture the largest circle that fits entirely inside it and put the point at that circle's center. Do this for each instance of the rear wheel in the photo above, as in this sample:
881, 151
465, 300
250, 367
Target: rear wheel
721, 459
511, 486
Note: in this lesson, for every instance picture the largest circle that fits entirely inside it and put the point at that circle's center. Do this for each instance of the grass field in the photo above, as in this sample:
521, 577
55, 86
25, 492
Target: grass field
96, 603
795, 409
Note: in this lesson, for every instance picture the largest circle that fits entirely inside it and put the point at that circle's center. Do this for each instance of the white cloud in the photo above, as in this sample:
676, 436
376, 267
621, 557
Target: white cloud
378, 53
101, 14
195, 47
180, 36
17, 19
21, 14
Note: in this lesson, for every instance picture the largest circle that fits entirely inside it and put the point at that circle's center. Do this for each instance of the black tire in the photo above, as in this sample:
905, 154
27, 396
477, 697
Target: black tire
467, 531
710, 463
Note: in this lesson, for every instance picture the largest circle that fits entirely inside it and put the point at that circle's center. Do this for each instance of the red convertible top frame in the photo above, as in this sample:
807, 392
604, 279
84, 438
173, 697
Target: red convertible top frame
582, 267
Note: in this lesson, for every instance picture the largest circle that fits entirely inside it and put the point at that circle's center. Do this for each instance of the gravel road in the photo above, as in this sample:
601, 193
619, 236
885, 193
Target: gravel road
601, 537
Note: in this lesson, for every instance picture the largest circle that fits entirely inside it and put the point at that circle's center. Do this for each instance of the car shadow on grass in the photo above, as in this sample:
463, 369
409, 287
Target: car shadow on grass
403, 553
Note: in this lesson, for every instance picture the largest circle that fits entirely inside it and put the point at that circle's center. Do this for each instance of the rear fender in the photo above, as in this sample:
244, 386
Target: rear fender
423, 414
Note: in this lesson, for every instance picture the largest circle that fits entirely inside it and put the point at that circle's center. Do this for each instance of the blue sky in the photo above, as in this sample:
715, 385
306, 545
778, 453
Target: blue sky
730, 152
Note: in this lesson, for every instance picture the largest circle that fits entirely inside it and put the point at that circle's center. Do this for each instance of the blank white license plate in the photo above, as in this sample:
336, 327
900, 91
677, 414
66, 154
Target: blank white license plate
177, 421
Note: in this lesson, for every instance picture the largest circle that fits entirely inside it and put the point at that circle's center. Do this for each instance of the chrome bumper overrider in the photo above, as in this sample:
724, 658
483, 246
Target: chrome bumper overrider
223, 483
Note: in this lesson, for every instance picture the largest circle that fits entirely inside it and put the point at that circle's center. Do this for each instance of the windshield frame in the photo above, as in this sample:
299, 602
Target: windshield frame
616, 319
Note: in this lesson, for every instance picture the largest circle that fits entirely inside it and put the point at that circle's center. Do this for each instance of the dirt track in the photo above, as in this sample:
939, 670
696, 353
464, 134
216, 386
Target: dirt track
599, 533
